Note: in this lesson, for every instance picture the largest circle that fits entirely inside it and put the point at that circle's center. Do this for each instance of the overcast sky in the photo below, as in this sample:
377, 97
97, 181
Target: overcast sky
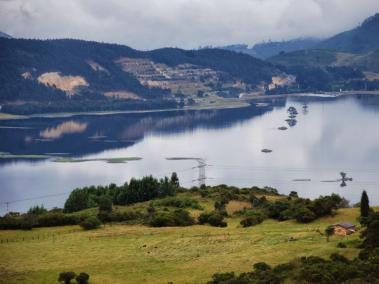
148, 24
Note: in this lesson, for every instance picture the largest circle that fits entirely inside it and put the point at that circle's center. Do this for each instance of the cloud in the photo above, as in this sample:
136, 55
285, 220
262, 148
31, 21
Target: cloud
147, 24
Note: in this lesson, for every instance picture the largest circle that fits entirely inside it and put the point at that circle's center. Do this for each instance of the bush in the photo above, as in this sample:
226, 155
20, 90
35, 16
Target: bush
341, 245
90, 223
214, 219
304, 215
262, 266
58, 219
179, 202
66, 277
179, 217
82, 278
222, 277
252, 220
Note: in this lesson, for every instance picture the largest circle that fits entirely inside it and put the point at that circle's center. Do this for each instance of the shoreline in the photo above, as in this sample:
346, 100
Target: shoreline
234, 104
241, 103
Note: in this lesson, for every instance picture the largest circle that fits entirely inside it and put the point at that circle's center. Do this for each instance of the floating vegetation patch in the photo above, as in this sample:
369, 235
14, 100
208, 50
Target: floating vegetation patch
5, 155
107, 160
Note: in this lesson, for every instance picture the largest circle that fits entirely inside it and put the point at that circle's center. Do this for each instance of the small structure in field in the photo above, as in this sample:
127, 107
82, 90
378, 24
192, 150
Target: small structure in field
344, 228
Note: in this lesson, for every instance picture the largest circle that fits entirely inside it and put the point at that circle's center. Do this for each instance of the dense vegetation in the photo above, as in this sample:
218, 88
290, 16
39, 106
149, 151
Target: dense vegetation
170, 205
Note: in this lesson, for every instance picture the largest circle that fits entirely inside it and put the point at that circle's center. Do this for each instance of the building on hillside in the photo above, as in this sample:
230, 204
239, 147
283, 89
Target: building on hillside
344, 228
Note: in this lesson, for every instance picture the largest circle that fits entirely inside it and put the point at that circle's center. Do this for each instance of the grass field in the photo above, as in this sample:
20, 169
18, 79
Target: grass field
138, 254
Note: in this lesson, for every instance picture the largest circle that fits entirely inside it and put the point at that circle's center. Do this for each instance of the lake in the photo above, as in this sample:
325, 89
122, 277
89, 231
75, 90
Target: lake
321, 138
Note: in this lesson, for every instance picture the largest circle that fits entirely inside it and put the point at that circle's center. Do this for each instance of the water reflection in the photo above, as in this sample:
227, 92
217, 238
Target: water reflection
68, 127
337, 134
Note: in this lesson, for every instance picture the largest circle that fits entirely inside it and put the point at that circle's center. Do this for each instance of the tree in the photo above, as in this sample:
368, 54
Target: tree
78, 200
105, 203
365, 207
174, 180
66, 277
37, 210
329, 231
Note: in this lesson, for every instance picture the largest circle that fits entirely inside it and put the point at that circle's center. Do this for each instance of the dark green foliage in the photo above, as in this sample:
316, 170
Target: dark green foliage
214, 219
28, 222
137, 190
82, 278
37, 210
329, 231
178, 217
175, 180
341, 245
304, 215
77, 201
219, 278
105, 203
364, 205
252, 220
262, 266
66, 277
58, 219
371, 233
176, 201
90, 223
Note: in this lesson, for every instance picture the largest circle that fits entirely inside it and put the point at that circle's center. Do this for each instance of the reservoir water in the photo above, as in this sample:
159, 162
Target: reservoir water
322, 138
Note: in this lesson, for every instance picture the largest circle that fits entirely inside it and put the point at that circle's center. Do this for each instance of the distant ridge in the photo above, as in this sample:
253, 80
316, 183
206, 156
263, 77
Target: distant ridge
268, 49
362, 39
5, 35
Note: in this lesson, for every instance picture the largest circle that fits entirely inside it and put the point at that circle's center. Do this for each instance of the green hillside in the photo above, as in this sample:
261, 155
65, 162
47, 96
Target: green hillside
359, 40
132, 253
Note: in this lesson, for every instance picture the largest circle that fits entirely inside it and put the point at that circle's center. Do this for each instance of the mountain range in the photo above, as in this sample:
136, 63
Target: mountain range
39, 76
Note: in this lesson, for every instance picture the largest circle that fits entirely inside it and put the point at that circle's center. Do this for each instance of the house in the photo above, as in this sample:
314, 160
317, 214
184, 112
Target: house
344, 228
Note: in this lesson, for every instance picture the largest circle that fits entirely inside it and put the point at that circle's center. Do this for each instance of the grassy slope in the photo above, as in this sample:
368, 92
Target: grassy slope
139, 254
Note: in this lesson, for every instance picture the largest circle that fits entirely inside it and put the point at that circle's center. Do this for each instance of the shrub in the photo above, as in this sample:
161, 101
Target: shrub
66, 277
179, 217
341, 245
252, 220
203, 218
304, 215
214, 219
338, 258
90, 223
58, 219
179, 202
82, 278
262, 266
222, 277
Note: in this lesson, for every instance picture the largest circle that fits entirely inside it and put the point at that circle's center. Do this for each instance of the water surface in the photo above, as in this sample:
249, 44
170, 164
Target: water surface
327, 136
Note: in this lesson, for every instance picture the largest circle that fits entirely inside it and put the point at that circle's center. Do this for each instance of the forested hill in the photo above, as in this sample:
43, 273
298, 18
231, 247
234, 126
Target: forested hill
76, 75
362, 39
